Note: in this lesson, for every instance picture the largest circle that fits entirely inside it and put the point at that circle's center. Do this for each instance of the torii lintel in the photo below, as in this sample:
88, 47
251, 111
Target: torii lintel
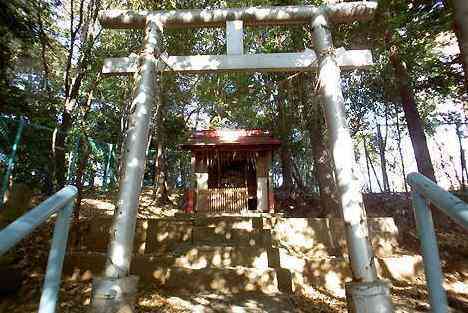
346, 12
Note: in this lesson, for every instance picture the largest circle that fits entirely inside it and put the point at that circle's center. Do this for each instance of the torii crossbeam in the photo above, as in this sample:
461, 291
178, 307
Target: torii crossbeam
366, 293
261, 62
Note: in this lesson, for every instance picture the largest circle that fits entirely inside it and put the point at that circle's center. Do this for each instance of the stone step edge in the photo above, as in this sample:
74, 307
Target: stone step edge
227, 279
186, 246
391, 262
325, 273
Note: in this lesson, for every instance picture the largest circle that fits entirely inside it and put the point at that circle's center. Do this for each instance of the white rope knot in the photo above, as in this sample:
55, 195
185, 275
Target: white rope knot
322, 54
163, 57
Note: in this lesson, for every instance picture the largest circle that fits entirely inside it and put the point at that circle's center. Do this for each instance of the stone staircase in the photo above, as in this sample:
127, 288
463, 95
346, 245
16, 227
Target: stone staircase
234, 254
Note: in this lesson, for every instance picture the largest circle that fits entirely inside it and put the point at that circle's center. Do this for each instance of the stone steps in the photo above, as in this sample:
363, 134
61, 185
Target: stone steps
235, 237
232, 254
312, 236
197, 257
237, 222
229, 279
275, 270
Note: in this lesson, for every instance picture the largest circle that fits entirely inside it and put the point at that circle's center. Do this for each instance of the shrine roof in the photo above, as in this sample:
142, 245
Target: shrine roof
245, 139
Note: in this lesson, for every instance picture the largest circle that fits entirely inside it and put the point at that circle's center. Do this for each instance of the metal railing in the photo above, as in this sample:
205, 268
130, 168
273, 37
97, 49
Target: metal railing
62, 203
424, 191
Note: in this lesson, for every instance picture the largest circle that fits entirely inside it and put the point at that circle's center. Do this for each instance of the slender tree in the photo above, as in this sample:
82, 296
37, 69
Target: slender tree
285, 152
460, 24
83, 32
322, 161
413, 119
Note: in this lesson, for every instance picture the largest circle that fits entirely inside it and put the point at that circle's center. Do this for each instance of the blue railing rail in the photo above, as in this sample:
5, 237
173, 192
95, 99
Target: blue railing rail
62, 203
423, 190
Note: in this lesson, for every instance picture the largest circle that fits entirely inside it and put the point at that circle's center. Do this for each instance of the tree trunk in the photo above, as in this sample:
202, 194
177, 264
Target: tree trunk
369, 163
84, 156
74, 75
285, 153
160, 190
461, 31
415, 128
183, 173
59, 148
383, 161
83, 161
297, 177
413, 119
322, 164
92, 175
285, 156
400, 151
50, 175
121, 138
160, 186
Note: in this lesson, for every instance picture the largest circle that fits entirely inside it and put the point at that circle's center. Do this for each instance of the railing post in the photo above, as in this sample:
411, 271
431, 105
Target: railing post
11, 161
430, 251
116, 291
366, 293
50, 289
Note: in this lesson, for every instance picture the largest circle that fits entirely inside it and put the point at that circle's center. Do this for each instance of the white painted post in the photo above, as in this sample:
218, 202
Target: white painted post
116, 290
366, 293
234, 37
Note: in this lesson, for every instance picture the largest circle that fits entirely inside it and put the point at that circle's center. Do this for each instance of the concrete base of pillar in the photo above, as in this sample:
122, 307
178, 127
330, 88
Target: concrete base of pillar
369, 297
114, 295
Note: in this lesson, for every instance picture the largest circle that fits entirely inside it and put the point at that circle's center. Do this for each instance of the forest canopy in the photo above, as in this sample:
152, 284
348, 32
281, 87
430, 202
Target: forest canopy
74, 118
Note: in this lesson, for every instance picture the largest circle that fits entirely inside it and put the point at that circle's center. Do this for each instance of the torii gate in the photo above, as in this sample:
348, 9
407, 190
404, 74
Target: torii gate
366, 293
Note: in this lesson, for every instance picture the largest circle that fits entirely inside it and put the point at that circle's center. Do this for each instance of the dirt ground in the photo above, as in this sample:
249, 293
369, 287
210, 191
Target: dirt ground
30, 258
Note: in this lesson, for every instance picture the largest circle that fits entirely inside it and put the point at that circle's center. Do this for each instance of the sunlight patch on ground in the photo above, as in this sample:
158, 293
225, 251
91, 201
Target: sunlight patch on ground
102, 204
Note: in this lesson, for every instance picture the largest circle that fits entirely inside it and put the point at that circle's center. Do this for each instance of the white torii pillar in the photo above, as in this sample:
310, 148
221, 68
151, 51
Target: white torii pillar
115, 291
366, 293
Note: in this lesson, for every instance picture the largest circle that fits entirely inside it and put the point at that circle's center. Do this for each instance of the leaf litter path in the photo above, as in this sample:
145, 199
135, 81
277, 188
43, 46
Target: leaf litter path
217, 303
75, 298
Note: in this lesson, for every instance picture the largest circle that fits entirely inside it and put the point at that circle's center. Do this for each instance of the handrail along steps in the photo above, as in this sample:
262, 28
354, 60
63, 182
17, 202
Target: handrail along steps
423, 190
62, 203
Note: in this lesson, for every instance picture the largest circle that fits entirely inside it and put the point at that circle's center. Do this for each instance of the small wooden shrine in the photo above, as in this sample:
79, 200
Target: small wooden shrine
231, 171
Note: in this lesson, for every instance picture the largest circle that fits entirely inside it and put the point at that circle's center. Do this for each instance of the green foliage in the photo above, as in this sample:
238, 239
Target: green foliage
34, 44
